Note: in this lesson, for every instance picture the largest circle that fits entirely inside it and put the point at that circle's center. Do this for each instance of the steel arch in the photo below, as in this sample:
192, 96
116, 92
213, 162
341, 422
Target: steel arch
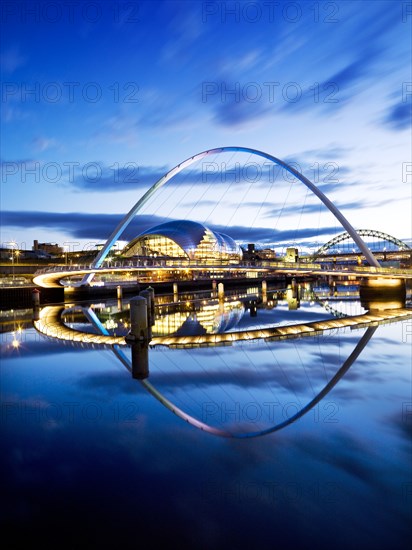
164, 179
364, 233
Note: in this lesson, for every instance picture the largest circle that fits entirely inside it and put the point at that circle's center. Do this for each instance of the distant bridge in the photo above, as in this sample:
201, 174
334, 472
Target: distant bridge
363, 233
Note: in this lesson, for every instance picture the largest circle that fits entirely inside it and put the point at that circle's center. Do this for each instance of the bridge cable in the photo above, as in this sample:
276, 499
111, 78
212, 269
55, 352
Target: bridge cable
224, 194
242, 199
213, 181
262, 203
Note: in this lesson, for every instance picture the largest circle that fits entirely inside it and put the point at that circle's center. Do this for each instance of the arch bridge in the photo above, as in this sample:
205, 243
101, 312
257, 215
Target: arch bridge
52, 278
385, 237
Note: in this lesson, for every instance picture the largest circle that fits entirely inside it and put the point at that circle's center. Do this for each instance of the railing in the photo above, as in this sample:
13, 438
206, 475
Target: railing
216, 265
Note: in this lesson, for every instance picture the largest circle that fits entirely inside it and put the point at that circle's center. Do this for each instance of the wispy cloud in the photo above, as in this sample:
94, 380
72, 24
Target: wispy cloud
99, 226
399, 116
118, 178
42, 143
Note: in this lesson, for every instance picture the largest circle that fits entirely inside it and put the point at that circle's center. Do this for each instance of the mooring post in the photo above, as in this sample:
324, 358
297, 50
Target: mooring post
35, 296
138, 337
119, 298
253, 308
146, 294
294, 288
221, 291
152, 303
264, 291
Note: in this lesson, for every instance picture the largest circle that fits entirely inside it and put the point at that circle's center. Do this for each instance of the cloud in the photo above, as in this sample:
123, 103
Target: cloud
399, 116
318, 207
238, 111
42, 143
353, 72
332, 151
77, 225
100, 226
268, 236
103, 178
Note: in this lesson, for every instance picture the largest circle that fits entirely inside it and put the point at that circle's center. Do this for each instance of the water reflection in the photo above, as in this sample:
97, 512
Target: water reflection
225, 320
212, 409
81, 435
207, 313
214, 317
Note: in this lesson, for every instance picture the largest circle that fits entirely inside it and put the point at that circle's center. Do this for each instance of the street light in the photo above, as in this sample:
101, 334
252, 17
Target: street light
13, 244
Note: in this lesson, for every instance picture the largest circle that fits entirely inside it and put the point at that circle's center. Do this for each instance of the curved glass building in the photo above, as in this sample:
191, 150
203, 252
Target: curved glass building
184, 239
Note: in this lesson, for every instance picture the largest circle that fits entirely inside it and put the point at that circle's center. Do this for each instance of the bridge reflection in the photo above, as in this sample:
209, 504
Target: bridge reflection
206, 427
54, 322
50, 324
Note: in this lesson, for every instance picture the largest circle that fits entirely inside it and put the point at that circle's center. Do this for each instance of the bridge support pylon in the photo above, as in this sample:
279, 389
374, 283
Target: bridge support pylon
382, 293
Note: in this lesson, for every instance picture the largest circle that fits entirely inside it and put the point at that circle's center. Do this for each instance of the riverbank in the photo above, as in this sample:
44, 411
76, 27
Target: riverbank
22, 296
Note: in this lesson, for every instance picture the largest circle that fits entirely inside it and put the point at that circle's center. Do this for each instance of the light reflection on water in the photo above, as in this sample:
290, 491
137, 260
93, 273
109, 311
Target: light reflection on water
88, 452
204, 312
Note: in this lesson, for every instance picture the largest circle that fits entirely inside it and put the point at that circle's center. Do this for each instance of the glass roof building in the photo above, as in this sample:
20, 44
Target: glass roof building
184, 239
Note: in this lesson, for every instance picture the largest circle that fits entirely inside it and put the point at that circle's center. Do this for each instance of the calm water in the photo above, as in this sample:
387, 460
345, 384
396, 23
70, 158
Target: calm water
92, 459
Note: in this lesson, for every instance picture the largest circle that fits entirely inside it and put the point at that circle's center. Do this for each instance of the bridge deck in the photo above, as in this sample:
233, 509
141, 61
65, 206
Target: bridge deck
53, 277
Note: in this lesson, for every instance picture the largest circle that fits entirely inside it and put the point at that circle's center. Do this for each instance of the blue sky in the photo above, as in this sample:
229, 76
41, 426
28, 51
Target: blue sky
100, 99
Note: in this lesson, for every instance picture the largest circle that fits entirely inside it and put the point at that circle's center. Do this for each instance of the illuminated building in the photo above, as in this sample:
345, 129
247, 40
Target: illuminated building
184, 239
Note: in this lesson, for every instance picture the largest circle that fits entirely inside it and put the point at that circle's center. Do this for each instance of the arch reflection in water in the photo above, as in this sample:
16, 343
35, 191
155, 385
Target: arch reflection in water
209, 407
280, 368
251, 410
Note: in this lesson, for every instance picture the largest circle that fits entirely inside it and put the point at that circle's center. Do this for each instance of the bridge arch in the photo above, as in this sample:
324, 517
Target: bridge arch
363, 233
117, 232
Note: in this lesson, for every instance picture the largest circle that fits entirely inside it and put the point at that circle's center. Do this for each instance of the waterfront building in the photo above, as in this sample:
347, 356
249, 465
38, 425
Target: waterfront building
184, 239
